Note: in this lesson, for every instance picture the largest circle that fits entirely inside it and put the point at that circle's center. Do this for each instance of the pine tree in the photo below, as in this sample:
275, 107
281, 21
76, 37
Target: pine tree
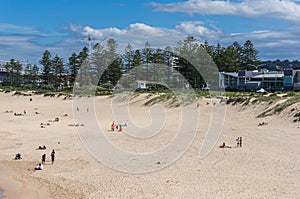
47, 73
58, 70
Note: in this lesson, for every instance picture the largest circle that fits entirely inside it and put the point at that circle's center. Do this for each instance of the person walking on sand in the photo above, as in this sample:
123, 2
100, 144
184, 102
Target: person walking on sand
43, 158
52, 156
240, 141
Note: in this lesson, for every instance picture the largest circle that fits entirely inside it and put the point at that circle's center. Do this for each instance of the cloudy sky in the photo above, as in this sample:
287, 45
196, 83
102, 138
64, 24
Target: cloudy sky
28, 28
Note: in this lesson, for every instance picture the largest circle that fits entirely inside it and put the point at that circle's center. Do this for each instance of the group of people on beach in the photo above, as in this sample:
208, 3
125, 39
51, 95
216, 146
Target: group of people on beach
42, 147
239, 142
41, 165
15, 113
20, 114
43, 125
117, 127
87, 109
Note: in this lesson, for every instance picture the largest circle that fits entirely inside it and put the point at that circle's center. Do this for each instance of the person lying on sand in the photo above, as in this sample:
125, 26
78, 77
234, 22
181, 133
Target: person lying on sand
224, 146
76, 125
18, 114
55, 120
262, 124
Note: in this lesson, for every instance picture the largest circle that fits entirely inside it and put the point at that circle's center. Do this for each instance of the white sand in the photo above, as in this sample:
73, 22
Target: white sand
267, 166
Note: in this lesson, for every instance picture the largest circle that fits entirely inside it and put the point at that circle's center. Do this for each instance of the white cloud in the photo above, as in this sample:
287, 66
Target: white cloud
75, 27
281, 44
198, 29
272, 44
137, 34
280, 9
11, 28
100, 34
27, 43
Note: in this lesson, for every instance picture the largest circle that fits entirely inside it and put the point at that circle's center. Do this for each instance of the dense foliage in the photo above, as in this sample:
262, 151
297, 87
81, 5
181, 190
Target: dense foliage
105, 66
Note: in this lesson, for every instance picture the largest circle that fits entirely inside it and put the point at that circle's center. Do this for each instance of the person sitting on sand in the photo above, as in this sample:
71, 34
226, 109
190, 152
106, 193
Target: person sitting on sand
18, 156
223, 145
39, 167
42, 147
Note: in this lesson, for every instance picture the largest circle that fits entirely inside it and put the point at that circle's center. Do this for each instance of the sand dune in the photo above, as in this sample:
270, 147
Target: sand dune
267, 166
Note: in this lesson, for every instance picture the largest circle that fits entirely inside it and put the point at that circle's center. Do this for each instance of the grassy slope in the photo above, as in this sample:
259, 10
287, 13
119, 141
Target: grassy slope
274, 103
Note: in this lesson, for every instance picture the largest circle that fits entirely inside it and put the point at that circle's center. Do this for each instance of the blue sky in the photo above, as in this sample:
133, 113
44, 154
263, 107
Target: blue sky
28, 28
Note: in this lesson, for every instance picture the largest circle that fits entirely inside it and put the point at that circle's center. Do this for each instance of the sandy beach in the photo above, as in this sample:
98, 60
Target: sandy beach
266, 166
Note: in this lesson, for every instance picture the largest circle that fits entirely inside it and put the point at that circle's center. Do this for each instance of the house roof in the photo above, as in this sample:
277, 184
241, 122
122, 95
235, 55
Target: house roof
269, 76
232, 74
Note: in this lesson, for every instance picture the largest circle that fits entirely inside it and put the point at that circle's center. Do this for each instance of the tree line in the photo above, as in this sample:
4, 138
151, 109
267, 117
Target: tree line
55, 72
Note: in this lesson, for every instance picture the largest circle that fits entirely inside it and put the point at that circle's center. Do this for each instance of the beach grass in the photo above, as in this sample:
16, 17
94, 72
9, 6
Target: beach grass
280, 107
